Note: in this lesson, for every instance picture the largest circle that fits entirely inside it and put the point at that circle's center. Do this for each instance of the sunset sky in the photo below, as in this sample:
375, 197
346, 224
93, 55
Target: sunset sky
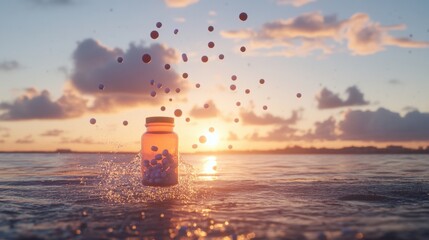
362, 67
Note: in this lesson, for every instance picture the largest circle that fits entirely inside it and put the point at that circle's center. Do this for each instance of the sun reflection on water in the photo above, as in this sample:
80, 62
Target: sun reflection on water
209, 170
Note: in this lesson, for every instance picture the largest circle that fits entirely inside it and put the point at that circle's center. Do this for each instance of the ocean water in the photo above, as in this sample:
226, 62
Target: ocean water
99, 196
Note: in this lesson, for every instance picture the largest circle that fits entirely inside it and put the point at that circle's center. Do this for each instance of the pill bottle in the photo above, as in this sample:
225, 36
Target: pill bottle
159, 153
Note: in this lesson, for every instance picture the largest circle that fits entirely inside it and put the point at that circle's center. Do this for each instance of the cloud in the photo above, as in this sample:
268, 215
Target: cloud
201, 112
232, 136
2, 141
384, 125
278, 134
38, 105
52, 133
25, 140
9, 65
126, 84
5, 132
53, 2
325, 130
179, 3
394, 81
80, 140
250, 118
327, 99
295, 3
311, 32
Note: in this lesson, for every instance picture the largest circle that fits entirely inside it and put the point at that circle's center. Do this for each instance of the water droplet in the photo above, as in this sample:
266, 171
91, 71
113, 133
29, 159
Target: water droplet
206, 105
247, 91
232, 87
188, 119
177, 90
197, 85
154, 34
204, 59
211, 129
211, 44
243, 16
210, 28
185, 75
229, 146
152, 82
92, 121
125, 123
194, 146
146, 58
233, 77
261, 81
159, 85
167, 66
170, 99
298, 95
238, 104
101, 86
202, 139
176, 31
153, 93
184, 57
177, 112
236, 120
158, 24
243, 49
265, 107
154, 148
120, 59
167, 90
162, 108
221, 56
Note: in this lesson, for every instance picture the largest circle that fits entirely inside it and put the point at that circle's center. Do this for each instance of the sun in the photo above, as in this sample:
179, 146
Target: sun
212, 139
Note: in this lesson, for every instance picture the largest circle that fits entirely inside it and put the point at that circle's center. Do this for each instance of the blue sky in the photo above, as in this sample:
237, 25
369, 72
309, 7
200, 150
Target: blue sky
377, 47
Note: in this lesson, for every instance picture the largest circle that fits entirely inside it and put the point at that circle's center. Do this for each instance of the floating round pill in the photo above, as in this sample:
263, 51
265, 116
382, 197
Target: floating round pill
242, 48
177, 112
238, 104
92, 121
167, 66
146, 163
154, 148
153, 93
162, 108
206, 105
152, 82
236, 120
243, 16
298, 95
158, 24
146, 58
204, 59
194, 146
187, 119
125, 123
176, 31
265, 107
203, 139
211, 44
233, 77
158, 156
197, 85
165, 152
185, 75
167, 90
101, 86
184, 57
154, 34
159, 85
232, 87
210, 28
221, 56
153, 162
211, 129
177, 91
120, 59
170, 99
247, 91
229, 146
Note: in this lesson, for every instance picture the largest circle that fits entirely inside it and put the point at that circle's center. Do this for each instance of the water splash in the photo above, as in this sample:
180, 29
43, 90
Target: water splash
120, 182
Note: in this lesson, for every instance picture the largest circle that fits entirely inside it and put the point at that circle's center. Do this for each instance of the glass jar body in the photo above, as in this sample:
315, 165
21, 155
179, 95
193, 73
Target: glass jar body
159, 155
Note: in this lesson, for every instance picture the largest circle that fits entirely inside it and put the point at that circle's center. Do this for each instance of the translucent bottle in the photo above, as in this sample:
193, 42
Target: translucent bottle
159, 153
